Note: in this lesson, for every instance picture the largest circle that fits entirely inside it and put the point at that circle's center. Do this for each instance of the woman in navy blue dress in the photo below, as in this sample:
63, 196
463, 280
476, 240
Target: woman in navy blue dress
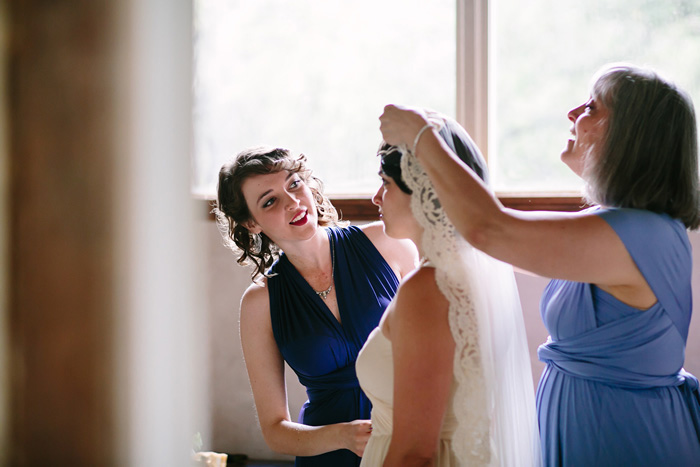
614, 391
324, 292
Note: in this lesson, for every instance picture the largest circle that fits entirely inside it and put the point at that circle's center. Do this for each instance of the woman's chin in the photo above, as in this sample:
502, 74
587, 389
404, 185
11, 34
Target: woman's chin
573, 162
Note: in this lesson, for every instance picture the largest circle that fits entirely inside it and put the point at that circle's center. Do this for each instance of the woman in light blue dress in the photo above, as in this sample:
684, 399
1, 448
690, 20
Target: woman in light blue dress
618, 308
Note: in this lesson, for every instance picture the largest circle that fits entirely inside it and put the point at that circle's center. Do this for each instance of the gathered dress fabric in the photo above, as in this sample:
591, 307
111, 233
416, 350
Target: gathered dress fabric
321, 350
614, 391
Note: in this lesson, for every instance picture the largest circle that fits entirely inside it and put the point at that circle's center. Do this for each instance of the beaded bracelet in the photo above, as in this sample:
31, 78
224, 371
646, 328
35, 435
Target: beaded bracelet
420, 133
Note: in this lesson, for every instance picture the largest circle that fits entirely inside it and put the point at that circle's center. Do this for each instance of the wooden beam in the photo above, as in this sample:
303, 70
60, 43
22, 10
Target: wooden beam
61, 81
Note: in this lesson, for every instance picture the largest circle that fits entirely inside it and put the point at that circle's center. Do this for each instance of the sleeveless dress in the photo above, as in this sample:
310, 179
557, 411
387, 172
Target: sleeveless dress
321, 350
375, 370
614, 391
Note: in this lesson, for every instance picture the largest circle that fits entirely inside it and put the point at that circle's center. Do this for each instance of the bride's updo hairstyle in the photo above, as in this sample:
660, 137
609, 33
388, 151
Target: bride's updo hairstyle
456, 138
232, 211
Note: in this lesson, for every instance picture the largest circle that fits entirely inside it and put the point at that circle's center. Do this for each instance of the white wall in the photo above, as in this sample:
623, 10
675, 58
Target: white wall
234, 424
159, 335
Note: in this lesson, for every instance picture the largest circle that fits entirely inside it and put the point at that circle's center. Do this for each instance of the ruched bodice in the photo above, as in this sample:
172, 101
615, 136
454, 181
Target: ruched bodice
321, 350
614, 391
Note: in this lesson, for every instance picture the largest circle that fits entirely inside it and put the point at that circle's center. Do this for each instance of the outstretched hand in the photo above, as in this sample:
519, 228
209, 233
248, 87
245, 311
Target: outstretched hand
400, 125
357, 435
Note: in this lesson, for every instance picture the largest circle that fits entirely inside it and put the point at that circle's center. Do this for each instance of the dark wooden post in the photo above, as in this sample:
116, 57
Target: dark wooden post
61, 116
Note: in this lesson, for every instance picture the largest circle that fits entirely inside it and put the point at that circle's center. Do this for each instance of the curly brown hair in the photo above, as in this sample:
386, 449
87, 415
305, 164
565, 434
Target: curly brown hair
232, 211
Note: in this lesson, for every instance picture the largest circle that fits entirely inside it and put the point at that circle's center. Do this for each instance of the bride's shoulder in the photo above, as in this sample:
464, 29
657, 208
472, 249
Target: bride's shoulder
419, 288
419, 310
420, 276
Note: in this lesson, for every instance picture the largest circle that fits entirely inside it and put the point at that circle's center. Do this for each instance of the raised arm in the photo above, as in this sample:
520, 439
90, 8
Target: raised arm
266, 373
573, 246
423, 351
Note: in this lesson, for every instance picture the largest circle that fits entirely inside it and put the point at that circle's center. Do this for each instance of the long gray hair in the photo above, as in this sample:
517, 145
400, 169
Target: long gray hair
649, 156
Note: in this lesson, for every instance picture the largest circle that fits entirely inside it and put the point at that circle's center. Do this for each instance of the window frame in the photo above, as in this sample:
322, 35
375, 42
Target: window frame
360, 208
473, 21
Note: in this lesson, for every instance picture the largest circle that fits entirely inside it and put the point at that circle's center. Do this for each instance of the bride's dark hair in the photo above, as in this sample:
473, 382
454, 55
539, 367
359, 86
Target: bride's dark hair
456, 138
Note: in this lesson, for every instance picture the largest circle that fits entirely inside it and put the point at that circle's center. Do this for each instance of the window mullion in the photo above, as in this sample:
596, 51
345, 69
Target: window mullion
472, 69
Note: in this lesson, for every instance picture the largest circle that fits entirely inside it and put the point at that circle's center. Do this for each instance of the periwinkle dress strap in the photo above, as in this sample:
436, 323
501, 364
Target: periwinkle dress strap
645, 349
660, 248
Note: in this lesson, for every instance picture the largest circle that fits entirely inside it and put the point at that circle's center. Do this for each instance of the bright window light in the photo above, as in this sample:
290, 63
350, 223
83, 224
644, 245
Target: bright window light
314, 76
543, 55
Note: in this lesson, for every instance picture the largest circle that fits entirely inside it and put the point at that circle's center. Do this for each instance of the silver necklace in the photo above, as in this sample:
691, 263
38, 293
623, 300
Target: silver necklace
324, 293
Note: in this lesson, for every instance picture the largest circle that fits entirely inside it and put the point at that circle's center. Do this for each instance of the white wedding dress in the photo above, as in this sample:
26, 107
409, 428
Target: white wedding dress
490, 419
375, 371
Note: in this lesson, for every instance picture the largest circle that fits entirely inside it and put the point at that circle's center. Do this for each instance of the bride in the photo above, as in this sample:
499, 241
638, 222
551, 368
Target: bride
447, 369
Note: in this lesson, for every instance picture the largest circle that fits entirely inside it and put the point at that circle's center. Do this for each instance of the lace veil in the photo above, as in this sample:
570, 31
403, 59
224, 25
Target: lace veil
494, 400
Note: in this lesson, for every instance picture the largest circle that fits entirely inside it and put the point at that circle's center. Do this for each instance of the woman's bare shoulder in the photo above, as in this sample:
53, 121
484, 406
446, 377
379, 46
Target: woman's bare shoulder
401, 255
255, 298
419, 291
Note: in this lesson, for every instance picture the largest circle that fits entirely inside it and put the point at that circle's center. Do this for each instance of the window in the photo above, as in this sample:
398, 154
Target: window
314, 76
543, 55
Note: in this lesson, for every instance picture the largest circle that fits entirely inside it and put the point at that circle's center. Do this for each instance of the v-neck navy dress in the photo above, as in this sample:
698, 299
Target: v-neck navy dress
321, 350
